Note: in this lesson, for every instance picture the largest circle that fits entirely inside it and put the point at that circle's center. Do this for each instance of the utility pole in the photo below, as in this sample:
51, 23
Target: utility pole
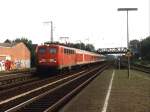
128, 46
51, 32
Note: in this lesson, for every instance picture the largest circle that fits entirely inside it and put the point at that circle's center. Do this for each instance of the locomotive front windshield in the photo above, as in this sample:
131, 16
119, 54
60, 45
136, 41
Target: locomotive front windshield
52, 51
42, 50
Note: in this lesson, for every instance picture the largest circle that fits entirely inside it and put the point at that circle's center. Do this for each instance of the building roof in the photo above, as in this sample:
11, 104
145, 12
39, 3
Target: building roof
8, 44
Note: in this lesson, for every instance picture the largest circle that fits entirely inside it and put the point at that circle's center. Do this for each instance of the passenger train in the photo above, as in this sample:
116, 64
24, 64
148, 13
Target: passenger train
55, 56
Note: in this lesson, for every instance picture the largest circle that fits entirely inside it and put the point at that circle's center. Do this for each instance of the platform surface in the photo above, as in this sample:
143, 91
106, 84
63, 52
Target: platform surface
126, 95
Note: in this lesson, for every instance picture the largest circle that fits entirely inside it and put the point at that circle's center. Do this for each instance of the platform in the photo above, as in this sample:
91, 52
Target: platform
124, 95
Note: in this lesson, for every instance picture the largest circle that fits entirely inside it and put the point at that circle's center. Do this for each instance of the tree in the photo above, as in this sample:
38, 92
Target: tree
90, 47
141, 48
80, 46
7, 41
145, 47
135, 48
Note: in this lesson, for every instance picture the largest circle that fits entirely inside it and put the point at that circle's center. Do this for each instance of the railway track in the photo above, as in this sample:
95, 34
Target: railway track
141, 68
8, 81
55, 90
138, 67
22, 88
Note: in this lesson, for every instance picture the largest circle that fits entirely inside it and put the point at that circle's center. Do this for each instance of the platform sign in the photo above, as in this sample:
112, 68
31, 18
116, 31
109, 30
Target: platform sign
128, 54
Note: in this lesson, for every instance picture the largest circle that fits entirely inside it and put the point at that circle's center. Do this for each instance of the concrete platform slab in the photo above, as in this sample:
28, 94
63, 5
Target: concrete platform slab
91, 99
127, 95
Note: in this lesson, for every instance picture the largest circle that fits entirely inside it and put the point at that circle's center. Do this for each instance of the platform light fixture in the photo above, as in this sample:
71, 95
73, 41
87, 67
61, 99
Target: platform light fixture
127, 10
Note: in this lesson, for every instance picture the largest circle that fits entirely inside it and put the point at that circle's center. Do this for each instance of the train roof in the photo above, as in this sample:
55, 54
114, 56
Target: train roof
68, 47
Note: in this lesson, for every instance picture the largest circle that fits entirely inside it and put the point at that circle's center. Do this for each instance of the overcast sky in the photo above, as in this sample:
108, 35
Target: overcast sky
91, 21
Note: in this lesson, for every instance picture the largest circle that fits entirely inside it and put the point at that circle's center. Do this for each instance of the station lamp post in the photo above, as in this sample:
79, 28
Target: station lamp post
128, 46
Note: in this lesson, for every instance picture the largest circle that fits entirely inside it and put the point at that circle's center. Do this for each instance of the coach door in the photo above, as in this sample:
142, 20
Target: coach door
61, 57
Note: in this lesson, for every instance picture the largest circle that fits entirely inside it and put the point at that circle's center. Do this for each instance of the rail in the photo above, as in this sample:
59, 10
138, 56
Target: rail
55, 88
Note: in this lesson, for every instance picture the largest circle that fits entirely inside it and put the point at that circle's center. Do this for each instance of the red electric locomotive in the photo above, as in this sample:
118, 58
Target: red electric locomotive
54, 56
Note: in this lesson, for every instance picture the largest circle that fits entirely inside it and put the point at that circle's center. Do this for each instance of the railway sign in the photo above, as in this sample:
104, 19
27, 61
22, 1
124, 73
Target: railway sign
128, 54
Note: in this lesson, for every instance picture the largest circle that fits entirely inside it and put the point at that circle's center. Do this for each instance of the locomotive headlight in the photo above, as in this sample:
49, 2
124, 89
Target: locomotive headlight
53, 60
42, 60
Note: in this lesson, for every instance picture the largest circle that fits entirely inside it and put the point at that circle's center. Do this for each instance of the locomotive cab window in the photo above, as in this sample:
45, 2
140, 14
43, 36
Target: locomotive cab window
52, 51
42, 50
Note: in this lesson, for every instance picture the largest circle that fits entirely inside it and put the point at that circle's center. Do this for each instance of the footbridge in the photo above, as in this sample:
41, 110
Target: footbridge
117, 50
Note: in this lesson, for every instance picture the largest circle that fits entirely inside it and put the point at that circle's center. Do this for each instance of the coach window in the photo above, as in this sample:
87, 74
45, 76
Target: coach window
73, 52
65, 51
69, 51
52, 50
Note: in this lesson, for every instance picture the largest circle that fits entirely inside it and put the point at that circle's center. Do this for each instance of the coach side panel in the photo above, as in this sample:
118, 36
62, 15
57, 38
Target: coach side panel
66, 57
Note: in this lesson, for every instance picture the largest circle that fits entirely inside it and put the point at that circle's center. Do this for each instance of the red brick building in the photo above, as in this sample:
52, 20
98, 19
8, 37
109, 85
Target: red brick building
17, 53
